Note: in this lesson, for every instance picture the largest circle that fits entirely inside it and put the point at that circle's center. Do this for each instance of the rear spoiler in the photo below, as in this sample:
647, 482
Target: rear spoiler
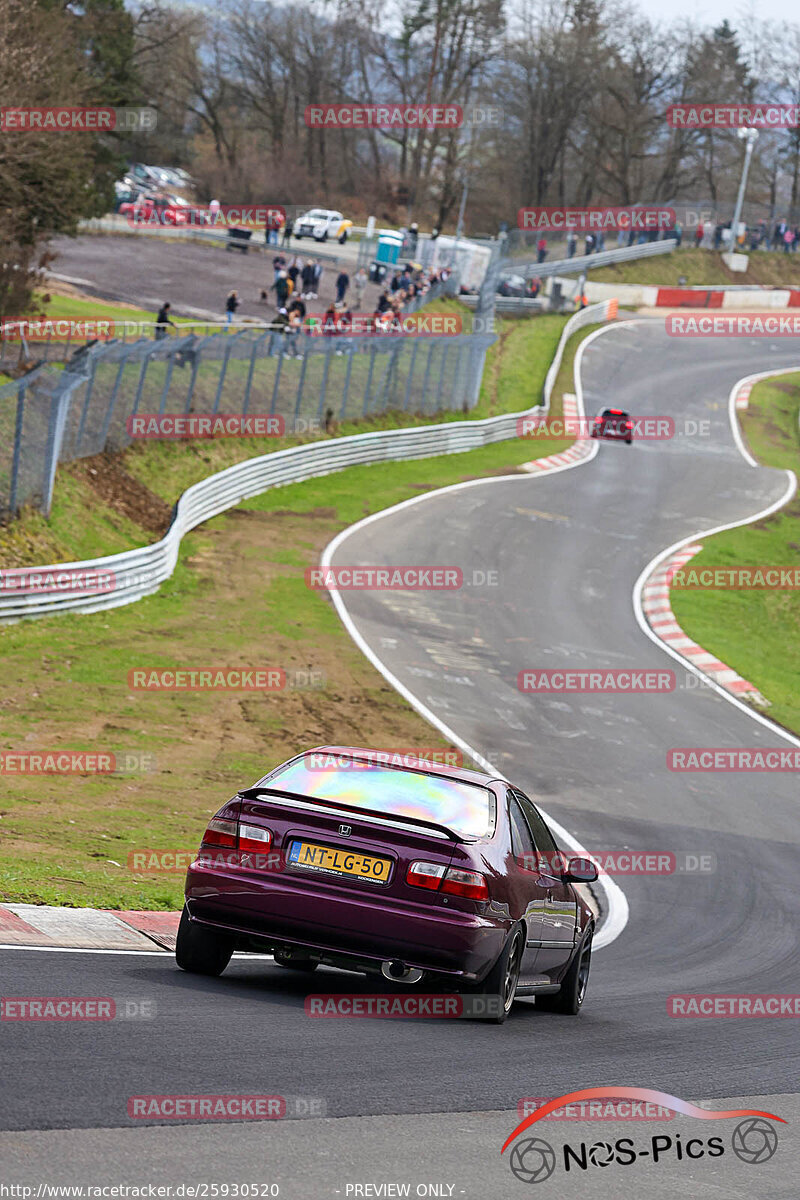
354, 810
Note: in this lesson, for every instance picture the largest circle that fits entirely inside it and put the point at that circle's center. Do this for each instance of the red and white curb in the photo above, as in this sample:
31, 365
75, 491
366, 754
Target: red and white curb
661, 619
46, 926
743, 396
580, 448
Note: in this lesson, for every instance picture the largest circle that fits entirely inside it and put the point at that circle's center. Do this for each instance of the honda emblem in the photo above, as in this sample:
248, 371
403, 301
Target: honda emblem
345, 830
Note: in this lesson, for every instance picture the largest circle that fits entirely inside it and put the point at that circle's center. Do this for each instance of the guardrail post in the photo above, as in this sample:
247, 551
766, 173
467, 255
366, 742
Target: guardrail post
368, 387
222, 371
410, 375
324, 385
427, 373
59, 407
249, 384
346, 390
300, 384
277, 377
12, 493
111, 404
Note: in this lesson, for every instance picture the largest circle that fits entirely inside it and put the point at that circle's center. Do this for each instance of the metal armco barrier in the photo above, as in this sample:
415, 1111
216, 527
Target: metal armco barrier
140, 572
589, 262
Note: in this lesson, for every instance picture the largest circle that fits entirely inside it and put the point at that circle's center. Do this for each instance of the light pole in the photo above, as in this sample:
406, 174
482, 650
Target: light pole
751, 136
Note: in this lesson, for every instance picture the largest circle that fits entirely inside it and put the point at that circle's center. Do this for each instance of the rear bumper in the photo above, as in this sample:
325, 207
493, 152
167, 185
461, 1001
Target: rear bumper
323, 918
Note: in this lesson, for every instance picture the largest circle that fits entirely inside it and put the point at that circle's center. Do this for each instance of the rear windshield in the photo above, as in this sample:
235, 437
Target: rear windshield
614, 416
466, 808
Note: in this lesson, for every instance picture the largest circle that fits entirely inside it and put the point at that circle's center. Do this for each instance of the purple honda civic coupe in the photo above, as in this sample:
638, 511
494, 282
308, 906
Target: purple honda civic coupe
426, 871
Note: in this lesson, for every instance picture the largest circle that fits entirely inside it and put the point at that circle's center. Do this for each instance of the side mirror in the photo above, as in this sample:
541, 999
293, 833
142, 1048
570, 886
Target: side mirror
580, 870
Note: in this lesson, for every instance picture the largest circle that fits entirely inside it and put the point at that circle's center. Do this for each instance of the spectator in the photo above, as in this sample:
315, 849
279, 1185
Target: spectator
297, 306
330, 424
589, 243
572, 241
281, 289
213, 212
541, 249
294, 271
278, 264
317, 279
287, 234
329, 322
383, 303
718, 236
395, 284
788, 240
600, 242
162, 321
231, 305
342, 284
359, 285
307, 279
698, 235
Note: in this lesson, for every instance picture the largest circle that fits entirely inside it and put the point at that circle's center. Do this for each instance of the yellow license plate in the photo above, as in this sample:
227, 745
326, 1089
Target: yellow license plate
339, 862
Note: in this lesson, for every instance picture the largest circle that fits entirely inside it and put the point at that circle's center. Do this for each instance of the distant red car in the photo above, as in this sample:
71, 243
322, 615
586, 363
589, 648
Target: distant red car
161, 210
427, 871
613, 423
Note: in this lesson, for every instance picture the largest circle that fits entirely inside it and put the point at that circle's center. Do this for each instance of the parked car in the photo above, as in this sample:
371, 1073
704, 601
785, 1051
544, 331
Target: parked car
321, 224
412, 872
159, 208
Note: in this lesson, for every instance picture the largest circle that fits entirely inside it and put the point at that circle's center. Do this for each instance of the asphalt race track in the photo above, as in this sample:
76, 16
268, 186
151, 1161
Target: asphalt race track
567, 550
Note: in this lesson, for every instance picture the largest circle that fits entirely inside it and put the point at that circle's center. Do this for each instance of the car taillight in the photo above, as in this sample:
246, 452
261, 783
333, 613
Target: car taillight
254, 837
220, 833
628, 425
425, 874
435, 876
469, 884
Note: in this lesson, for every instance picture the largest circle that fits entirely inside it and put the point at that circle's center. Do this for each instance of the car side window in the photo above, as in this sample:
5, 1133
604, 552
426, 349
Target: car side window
542, 836
521, 839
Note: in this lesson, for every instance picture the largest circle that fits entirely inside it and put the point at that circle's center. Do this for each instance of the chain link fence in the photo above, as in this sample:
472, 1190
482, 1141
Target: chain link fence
55, 415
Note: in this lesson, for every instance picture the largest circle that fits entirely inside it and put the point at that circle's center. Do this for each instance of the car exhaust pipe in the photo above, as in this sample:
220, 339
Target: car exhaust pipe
398, 972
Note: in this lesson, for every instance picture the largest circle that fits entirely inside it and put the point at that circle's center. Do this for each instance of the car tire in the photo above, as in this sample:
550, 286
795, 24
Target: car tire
295, 964
628, 441
201, 950
297, 236
343, 238
501, 982
570, 996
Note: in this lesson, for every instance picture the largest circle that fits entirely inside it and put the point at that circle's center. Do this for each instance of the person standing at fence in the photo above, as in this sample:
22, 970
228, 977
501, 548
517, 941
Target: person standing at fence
307, 280
342, 284
317, 279
359, 285
231, 305
541, 249
213, 212
572, 241
162, 321
281, 289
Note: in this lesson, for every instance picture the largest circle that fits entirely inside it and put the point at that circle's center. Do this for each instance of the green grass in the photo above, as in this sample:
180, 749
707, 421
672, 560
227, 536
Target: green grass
757, 632
237, 598
703, 267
